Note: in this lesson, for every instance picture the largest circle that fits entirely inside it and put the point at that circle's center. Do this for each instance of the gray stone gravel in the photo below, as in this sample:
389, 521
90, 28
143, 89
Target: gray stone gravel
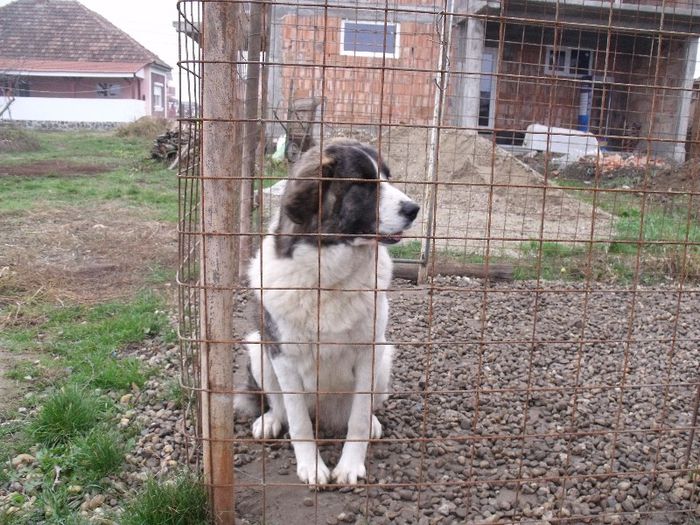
517, 405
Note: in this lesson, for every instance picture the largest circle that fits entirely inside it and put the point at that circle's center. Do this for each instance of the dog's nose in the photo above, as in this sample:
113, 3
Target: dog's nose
409, 209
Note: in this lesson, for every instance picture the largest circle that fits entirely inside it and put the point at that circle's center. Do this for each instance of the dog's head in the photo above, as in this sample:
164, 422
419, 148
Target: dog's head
342, 195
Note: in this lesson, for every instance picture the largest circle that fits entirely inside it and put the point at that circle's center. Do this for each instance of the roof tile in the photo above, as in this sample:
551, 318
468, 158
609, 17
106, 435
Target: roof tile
67, 31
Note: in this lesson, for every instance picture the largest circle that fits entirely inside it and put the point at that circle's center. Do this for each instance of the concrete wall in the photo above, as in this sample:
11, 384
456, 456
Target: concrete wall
74, 109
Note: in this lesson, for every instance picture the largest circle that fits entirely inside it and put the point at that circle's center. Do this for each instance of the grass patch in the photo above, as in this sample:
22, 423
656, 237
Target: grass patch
160, 275
406, 250
24, 371
131, 179
99, 453
83, 350
87, 339
65, 414
656, 228
182, 501
175, 393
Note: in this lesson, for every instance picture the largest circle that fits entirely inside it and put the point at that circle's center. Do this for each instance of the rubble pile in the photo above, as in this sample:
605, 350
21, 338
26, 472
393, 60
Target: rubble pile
615, 161
170, 146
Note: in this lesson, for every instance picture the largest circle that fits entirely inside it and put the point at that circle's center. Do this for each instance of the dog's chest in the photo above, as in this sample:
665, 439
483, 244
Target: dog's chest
340, 300
333, 366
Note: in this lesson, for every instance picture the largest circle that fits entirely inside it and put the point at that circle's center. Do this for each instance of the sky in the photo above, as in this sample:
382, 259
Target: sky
150, 22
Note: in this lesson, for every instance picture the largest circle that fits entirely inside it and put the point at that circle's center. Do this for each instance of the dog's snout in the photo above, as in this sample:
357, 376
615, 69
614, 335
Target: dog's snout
409, 209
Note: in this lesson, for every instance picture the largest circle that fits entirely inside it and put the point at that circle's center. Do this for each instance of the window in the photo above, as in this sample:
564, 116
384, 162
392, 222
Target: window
12, 86
105, 89
369, 39
568, 61
158, 96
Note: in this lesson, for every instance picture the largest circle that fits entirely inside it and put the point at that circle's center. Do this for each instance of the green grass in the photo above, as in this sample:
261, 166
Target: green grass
99, 453
87, 339
84, 147
175, 393
24, 371
657, 227
68, 412
78, 355
182, 501
406, 250
75, 424
131, 180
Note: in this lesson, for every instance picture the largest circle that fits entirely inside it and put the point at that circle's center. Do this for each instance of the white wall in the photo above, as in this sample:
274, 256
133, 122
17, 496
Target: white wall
74, 109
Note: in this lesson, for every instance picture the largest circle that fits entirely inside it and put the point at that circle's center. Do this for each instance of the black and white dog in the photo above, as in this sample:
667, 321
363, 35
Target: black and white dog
320, 276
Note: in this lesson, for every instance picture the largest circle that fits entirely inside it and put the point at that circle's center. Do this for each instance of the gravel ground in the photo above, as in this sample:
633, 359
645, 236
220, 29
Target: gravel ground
600, 435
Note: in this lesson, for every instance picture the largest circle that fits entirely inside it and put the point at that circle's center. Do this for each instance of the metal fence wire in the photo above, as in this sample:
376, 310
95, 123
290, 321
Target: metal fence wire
544, 306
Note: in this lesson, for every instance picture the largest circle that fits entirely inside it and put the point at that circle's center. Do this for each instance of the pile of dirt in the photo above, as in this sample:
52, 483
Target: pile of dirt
485, 194
85, 255
614, 170
683, 178
15, 140
145, 127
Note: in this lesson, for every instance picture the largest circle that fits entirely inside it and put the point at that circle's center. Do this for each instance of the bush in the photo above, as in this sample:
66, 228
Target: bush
16, 140
145, 127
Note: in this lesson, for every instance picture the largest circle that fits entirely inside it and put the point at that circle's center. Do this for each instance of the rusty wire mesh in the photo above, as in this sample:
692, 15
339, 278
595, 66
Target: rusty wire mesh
544, 314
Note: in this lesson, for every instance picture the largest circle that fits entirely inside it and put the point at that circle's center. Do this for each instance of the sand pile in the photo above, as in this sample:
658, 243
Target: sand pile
484, 194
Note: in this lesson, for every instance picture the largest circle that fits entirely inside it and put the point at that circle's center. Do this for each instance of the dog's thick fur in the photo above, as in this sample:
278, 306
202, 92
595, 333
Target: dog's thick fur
320, 276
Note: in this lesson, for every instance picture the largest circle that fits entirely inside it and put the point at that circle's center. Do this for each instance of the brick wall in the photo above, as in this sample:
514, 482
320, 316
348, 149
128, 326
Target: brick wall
356, 90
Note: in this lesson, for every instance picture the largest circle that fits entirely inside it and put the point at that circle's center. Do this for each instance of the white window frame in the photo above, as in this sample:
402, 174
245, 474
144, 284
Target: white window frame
374, 54
161, 87
567, 70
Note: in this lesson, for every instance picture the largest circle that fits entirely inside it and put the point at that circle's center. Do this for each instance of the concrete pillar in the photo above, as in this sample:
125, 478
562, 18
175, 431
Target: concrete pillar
683, 116
473, 50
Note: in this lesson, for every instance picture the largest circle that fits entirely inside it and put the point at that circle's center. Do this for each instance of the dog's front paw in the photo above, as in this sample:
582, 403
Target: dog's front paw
349, 472
313, 472
376, 431
267, 426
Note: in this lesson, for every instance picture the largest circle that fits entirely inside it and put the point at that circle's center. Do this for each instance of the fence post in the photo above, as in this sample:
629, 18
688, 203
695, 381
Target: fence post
251, 127
220, 204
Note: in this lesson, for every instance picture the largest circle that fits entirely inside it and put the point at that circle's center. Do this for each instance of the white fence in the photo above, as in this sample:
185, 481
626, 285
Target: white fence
74, 109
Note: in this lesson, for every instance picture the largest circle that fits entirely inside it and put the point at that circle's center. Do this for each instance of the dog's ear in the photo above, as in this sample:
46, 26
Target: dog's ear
301, 199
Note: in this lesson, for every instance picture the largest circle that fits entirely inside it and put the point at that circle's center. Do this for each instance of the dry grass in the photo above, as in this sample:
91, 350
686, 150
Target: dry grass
84, 255
16, 140
145, 127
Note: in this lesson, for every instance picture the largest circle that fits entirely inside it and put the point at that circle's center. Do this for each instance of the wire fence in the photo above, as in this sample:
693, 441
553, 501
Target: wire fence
543, 311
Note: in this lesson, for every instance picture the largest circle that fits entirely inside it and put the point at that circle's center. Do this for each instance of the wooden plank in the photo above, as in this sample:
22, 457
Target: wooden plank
494, 271
220, 202
252, 131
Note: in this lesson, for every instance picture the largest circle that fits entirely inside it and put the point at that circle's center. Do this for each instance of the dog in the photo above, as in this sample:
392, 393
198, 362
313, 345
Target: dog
320, 277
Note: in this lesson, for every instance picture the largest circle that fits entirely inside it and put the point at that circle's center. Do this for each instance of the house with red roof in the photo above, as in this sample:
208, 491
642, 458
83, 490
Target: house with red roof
60, 62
